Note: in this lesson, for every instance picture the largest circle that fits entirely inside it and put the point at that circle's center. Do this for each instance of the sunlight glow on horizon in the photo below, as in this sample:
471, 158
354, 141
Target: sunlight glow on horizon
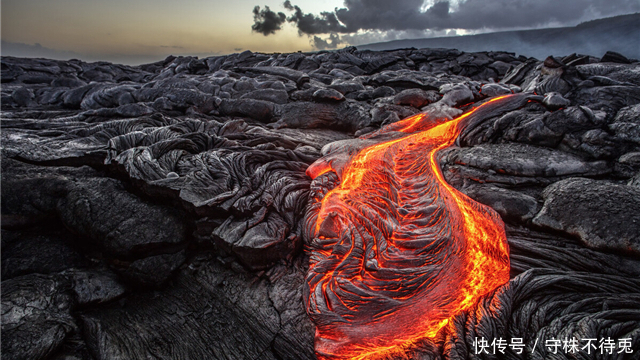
140, 28
143, 31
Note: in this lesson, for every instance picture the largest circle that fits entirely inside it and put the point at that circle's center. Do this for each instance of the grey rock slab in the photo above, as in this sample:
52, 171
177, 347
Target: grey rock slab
635, 180
457, 95
347, 115
384, 114
94, 286
510, 204
540, 249
316, 138
153, 270
626, 131
35, 316
258, 242
298, 77
608, 98
526, 160
493, 89
382, 91
108, 217
603, 215
271, 95
327, 95
631, 159
116, 221
341, 74
615, 57
520, 74
23, 97
575, 119
626, 124
255, 109
346, 87
500, 67
43, 253
416, 97
629, 114
211, 312
555, 101
620, 72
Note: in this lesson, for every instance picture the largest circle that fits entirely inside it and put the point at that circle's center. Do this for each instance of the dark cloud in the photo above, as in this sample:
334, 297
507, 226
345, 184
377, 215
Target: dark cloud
266, 21
474, 14
391, 15
332, 42
402, 15
326, 22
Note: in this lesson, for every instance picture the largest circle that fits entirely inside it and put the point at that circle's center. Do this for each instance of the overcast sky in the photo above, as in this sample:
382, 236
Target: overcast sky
136, 31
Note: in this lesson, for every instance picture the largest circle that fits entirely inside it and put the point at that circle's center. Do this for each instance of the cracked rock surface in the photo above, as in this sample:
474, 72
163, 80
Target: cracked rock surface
157, 211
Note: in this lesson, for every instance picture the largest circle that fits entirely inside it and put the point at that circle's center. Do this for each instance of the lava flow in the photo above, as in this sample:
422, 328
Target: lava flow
395, 251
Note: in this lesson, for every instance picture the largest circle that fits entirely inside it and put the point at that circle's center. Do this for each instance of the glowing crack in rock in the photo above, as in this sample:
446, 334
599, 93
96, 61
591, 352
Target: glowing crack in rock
395, 251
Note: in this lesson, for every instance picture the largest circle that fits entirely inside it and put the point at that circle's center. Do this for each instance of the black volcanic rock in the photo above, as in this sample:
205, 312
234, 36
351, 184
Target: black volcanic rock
156, 211
254, 109
26, 253
383, 114
492, 90
595, 211
457, 95
555, 101
612, 56
510, 204
266, 318
98, 210
94, 286
416, 97
327, 95
35, 316
526, 160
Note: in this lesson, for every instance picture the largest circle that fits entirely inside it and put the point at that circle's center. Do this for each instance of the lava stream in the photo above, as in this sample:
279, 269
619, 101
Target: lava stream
395, 251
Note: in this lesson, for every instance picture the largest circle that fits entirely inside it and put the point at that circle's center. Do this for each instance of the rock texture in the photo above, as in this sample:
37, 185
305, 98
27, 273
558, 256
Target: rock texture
578, 206
157, 211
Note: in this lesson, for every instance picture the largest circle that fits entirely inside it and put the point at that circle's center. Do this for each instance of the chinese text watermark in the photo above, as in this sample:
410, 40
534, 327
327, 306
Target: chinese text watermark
567, 345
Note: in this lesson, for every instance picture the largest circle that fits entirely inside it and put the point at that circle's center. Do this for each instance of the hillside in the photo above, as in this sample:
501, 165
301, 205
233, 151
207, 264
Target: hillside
619, 33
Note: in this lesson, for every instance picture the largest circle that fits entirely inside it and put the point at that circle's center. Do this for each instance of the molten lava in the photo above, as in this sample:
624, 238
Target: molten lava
395, 251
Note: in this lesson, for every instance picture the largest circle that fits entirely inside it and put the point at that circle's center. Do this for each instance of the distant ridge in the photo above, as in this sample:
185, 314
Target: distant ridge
618, 33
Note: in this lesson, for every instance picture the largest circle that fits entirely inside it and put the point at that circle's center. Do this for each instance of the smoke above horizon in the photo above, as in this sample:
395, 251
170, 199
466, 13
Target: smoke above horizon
266, 21
358, 16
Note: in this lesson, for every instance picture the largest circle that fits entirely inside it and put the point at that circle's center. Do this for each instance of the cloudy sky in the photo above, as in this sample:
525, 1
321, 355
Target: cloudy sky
137, 31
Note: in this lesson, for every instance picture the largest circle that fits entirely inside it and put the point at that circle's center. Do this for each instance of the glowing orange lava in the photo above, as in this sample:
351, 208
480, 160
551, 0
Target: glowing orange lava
395, 251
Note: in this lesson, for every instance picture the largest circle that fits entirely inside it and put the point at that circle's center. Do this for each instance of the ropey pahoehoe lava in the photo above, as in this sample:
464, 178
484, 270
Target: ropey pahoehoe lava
395, 251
